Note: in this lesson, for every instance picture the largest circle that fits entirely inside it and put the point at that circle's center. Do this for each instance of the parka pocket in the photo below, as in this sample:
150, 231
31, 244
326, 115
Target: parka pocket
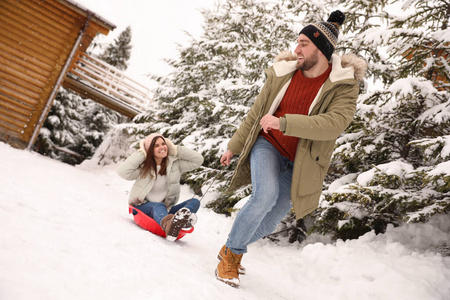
319, 157
313, 169
311, 177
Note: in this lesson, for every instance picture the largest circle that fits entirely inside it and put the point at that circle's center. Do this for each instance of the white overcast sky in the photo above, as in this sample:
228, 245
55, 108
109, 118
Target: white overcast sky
157, 25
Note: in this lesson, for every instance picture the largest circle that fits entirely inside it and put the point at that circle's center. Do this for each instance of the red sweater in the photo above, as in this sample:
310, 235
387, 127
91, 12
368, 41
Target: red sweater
297, 100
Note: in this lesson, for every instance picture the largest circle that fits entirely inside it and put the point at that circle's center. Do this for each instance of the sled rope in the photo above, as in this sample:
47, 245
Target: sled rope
215, 174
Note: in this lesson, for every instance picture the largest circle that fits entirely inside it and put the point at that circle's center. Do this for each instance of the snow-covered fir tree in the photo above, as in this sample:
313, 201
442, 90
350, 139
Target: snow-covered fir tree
118, 53
217, 77
392, 164
61, 128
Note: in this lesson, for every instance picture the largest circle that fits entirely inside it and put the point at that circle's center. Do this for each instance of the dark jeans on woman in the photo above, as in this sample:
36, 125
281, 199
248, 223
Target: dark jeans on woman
158, 210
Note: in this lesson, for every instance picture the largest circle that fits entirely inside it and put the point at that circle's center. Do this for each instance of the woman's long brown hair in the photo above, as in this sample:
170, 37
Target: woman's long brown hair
150, 163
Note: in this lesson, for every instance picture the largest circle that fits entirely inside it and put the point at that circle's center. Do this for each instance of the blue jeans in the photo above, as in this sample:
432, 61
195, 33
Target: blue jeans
270, 201
158, 210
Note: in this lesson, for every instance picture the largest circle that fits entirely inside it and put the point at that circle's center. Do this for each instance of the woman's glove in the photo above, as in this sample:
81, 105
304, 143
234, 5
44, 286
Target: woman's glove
142, 148
171, 148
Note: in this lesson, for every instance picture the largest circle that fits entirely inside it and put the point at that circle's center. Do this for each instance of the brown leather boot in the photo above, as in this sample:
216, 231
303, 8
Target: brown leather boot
227, 270
241, 269
166, 223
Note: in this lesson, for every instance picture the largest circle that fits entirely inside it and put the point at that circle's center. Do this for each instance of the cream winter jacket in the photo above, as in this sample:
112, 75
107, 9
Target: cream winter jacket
181, 159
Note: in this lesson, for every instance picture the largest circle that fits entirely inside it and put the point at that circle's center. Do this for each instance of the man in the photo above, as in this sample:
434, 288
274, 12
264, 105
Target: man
287, 139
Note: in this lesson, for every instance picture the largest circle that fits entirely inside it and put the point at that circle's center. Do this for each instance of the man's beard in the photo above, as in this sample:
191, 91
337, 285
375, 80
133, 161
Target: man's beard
310, 62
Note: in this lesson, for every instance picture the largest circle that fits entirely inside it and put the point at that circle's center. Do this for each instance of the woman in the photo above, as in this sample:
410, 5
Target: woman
156, 168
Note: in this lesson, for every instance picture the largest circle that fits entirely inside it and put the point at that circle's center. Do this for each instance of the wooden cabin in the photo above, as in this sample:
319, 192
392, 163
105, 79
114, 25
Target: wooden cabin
42, 47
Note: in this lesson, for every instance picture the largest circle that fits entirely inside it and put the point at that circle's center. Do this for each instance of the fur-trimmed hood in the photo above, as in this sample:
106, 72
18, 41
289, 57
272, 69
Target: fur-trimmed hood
345, 66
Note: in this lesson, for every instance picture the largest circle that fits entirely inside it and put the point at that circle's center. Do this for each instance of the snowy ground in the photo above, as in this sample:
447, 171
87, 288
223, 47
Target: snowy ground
65, 233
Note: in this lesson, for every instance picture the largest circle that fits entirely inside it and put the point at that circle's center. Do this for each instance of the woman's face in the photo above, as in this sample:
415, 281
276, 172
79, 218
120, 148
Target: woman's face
160, 150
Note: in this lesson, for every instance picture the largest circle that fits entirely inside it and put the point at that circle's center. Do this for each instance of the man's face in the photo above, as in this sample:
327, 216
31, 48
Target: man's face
307, 53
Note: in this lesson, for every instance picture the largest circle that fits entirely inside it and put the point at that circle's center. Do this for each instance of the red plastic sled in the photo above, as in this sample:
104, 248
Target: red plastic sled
149, 224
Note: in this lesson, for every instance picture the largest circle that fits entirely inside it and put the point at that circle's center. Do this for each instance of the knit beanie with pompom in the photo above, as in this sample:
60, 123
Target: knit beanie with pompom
325, 34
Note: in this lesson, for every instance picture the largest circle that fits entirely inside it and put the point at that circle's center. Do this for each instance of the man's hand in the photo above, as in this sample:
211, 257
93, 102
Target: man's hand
226, 157
269, 122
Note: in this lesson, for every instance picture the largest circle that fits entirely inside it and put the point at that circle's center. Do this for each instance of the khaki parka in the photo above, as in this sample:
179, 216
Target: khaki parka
330, 113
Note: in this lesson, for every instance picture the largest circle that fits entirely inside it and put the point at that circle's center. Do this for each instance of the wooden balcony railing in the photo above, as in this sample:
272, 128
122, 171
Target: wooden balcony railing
111, 81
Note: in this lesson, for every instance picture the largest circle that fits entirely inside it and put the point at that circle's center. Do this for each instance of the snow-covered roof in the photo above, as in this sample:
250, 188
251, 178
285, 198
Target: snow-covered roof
85, 11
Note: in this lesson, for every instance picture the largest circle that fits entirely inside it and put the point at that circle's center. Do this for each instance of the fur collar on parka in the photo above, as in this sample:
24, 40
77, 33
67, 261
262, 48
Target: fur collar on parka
286, 61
